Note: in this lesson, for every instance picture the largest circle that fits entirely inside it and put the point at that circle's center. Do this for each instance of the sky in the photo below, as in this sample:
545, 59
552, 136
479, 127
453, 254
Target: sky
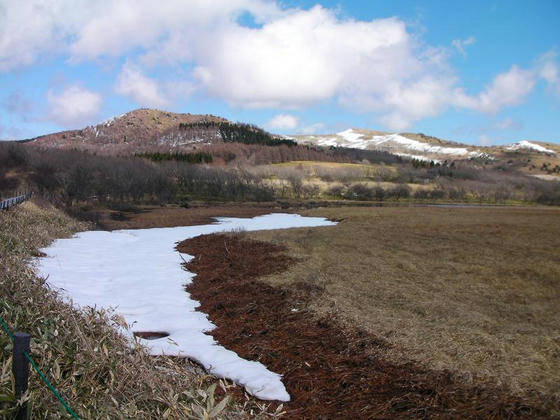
477, 72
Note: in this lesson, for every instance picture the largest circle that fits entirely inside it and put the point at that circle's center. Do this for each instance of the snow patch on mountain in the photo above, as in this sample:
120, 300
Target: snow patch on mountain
524, 144
392, 143
417, 157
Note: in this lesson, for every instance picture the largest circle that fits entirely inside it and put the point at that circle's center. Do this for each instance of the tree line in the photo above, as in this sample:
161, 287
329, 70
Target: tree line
71, 177
240, 133
192, 157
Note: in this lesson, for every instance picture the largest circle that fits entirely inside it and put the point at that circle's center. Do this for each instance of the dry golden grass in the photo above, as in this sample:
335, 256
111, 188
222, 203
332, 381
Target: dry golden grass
473, 290
93, 366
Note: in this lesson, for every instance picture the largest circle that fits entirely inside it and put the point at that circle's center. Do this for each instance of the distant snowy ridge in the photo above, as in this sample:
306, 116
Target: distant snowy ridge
524, 144
393, 143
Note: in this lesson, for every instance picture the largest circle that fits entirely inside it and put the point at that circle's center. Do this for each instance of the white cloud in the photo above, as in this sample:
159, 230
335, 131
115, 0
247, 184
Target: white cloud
160, 27
508, 123
548, 70
304, 57
410, 102
30, 29
295, 58
309, 56
507, 89
74, 106
484, 140
313, 128
282, 122
133, 84
460, 44
90, 29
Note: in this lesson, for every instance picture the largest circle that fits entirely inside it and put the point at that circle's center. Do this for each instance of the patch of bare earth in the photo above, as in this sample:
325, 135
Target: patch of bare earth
329, 371
156, 217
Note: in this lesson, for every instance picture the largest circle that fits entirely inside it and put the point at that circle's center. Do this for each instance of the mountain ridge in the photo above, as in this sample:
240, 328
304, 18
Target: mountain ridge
145, 129
139, 127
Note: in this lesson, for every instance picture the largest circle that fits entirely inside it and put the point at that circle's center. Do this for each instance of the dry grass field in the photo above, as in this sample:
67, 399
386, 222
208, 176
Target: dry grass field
472, 290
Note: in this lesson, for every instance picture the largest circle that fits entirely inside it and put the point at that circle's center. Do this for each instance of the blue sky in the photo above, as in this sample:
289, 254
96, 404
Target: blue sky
478, 72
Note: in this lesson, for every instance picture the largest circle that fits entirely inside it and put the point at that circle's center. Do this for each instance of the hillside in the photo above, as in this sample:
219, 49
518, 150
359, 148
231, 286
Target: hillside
530, 157
142, 127
408, 145
144, 131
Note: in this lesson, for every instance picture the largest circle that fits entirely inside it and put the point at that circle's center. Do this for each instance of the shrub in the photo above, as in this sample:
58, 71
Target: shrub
400, 191
359, 192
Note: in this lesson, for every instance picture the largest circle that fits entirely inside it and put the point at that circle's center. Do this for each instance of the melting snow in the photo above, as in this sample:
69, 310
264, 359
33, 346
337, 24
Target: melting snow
419, 146
139, 273
417, 157
524, 144
350, 135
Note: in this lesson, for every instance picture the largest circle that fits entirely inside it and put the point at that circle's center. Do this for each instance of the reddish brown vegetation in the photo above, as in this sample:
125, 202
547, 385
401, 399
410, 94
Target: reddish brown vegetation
328, 371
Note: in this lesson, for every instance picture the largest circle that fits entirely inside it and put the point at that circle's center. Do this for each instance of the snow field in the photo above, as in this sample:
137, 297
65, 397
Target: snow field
139, 274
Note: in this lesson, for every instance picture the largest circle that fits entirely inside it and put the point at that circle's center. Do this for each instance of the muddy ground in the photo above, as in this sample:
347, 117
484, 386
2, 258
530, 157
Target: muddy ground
155, 217
330, 371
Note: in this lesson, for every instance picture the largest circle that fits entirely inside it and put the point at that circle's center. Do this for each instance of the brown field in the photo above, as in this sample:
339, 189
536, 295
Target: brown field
471, 290
329, 370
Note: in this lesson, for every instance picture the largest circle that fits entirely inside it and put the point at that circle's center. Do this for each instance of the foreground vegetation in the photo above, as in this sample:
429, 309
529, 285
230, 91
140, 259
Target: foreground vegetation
470, 290
92, 366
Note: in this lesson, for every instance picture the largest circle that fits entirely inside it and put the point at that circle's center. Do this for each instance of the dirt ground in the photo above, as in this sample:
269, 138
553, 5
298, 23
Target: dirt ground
152, 217
330, 370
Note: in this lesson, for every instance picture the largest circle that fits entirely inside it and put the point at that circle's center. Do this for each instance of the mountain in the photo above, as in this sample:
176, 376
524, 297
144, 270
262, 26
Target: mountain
145, 130
138, 129
408, 145
419, 146
542, 159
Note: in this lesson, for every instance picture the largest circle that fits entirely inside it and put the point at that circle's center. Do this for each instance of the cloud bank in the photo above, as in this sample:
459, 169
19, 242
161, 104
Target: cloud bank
283, 122
73, 106
133, 84
289, 59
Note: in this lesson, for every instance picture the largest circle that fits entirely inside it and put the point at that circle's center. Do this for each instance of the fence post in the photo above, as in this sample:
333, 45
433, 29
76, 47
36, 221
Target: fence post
20, 369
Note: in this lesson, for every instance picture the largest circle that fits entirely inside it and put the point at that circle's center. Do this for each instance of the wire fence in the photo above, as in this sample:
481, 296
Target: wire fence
9, 202
40, 372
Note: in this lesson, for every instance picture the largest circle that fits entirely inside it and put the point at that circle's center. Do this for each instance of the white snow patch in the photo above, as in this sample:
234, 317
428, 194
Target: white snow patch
139, 273
417, 157
524, 144
110, 121
350, 135
352, 138
420, 146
